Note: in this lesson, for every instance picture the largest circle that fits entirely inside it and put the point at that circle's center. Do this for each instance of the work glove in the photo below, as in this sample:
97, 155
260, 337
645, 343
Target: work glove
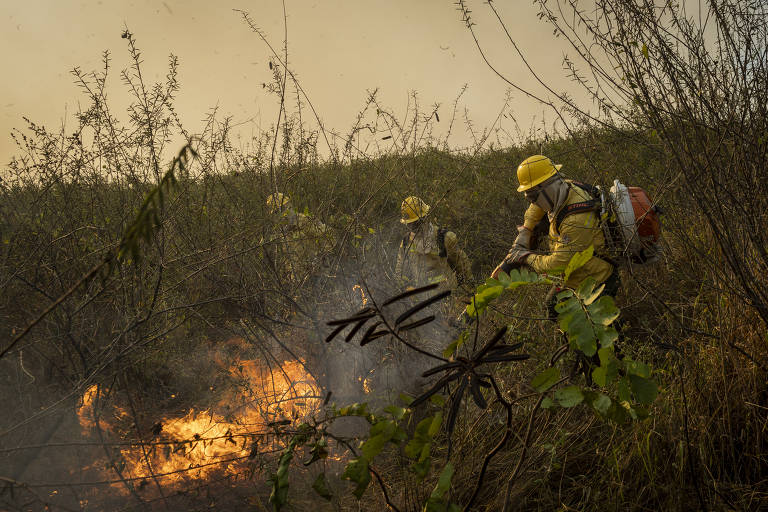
523, 237
515, 258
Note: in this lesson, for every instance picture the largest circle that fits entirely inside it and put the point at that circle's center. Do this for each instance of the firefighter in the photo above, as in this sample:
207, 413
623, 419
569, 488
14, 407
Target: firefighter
574, 224
429, 253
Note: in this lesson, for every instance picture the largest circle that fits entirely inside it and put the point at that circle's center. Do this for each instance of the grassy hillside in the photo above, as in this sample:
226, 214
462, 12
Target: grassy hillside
212, 284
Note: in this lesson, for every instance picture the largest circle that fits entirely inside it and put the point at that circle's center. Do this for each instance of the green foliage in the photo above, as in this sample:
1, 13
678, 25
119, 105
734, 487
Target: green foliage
437, 501
546, 379
493, 288
279, 480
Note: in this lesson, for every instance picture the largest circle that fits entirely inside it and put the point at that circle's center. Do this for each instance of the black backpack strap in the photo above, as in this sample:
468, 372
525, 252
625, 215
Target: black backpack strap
591, 205
594, 204
441, 232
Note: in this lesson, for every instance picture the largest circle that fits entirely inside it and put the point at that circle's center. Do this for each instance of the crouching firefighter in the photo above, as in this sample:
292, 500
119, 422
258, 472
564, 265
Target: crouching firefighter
428, 253
573, 215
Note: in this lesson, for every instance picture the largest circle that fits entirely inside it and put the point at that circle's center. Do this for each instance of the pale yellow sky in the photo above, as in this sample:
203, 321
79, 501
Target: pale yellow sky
338, 48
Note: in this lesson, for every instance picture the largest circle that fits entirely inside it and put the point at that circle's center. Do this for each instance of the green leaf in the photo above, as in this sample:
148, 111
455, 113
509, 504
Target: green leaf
586, 288
645, 51
373, 446
571, 304
437, 399
434, 427
321, 487
547, 403
546, 379
406, 399
603, 311
398, 413
600, 376
637, 368
645, 390
578, 260
581, 334
607, 335
436, 501
569, 396
357, 471
625, 392
601, 404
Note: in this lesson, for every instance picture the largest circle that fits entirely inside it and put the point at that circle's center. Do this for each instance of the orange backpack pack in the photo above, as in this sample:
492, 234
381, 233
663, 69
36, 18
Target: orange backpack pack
632, 223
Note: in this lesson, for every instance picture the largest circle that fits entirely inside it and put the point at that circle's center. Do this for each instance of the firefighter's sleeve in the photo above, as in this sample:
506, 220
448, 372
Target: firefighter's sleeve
576, 235
532, 216
458, 259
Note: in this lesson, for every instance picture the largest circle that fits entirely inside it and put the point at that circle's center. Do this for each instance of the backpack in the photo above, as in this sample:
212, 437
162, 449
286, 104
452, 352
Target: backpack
630, 221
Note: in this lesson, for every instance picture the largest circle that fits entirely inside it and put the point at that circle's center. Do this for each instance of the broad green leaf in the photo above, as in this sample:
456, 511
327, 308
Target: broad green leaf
603, 311
437, 399
600, 376
569, 396
645, 390
568, 305
546, 379
625, 393
434, 427
578, 260
547, 403
601, 404
637, 368
582, 335
373, 446
607, 335
586, 288
357, 471
406, 399
595, 294
564, 294
321, 487
436, 501
398, 413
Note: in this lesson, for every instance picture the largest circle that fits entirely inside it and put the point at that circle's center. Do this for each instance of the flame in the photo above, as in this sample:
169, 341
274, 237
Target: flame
204, 442
363, 298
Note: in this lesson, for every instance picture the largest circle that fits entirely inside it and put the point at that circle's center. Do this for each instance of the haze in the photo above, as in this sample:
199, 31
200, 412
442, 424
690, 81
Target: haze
338, 49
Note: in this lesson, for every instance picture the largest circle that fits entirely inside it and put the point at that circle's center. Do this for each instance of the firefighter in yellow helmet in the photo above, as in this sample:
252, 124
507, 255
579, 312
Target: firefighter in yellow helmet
574, 225
300, 239
428, 253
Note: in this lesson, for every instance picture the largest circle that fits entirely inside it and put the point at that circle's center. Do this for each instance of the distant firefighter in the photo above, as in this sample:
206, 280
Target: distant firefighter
428, 253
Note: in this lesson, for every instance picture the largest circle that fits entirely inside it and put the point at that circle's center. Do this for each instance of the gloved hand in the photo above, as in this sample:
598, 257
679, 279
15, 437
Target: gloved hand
515, 258
523, 237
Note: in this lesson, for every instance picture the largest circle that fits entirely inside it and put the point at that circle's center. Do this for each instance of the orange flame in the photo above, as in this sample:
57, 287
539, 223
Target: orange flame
363, 298
205, 442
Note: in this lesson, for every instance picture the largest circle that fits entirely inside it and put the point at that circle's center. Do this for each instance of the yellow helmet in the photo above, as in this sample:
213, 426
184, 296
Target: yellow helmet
277, 201
413, 209
534, 170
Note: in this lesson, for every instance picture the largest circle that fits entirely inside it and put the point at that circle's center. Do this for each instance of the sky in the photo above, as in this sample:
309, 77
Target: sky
339, 49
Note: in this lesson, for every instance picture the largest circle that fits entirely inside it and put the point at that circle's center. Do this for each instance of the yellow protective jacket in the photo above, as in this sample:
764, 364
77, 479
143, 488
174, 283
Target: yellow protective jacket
577, 232
419, 261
